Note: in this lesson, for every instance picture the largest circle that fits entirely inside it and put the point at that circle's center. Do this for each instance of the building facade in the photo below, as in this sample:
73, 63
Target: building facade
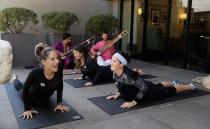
82, 8
172, 33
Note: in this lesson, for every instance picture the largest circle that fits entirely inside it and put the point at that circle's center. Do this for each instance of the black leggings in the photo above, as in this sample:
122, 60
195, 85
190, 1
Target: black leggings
103, 74
18, 85
158, 91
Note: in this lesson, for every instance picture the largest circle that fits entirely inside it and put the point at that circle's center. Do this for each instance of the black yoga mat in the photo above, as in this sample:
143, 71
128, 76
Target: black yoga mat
46, 116
147, 76
80, 83
112, 107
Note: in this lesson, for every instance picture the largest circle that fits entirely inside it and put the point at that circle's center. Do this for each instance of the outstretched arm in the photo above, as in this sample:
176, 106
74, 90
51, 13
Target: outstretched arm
59, 105
28, 113
60, 93
26, 95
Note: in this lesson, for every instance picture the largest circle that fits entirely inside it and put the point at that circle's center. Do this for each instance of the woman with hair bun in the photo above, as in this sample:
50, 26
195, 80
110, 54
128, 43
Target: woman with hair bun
42, 82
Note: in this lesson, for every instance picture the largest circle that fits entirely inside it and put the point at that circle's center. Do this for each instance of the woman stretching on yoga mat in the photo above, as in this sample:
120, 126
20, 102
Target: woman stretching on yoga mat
134, 90
41, 83
90, 68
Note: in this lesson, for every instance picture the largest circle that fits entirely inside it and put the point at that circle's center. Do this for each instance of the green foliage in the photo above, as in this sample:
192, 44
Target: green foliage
1, 29
15, 20
59, 21
101, 23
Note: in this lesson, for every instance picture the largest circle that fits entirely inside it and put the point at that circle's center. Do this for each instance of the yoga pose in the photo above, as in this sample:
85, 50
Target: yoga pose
90, 68
41, 83
134, 90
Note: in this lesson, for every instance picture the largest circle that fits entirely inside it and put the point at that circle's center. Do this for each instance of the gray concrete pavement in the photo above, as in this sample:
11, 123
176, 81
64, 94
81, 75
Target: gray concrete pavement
191, 113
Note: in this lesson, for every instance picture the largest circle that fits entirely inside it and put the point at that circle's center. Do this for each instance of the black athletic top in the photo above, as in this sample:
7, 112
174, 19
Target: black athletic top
130, 85
96, 73
89, 69
39, 88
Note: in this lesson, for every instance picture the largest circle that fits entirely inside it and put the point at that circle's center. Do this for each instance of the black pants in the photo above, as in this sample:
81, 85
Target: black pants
95, 73
34, 102
158, 91
103, 74
19, 87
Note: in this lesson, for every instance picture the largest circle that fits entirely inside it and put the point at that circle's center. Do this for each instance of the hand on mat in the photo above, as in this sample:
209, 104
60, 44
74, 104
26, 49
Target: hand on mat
62, 108
28, 114
113, 96
88, 84
128, 105
78, 78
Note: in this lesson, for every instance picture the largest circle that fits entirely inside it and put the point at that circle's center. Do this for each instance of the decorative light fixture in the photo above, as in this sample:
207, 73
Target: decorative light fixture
139, 11
201, 19
183, 16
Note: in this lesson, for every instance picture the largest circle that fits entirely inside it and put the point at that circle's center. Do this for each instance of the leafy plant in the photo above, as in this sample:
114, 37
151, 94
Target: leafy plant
1, 29
59, 21
15, 20
101, 23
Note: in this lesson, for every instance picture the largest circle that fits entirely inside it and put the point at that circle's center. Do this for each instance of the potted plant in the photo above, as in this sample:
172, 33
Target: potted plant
98, 24
101, 23
13, 21
60, 22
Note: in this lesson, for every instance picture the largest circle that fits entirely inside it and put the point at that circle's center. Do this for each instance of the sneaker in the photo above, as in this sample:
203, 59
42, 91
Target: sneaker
15, 76
176, 82
193, 86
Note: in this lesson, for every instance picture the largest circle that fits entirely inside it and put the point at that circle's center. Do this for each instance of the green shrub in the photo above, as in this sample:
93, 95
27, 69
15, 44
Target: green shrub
101, 23
15, 20
59, 21
1, 29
